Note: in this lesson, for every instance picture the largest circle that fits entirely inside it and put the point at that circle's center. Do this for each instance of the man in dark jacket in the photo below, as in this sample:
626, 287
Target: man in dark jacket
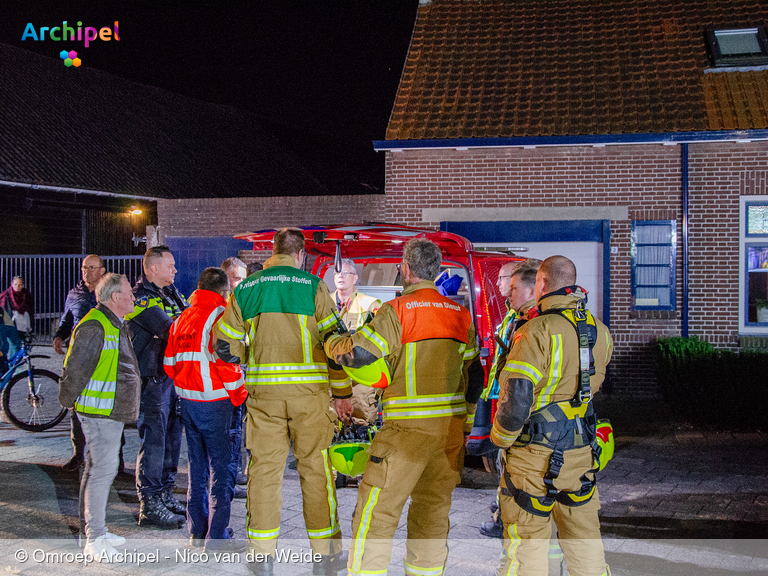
158, 302
101, 382
80, 300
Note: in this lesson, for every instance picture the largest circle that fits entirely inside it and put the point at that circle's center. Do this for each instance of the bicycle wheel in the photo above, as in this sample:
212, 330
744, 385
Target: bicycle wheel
33, 406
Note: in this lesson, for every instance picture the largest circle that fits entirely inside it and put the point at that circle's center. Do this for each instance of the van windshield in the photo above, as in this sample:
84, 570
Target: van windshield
381, 279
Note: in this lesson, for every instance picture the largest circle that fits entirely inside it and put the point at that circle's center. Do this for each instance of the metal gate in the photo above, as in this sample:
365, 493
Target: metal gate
50, 276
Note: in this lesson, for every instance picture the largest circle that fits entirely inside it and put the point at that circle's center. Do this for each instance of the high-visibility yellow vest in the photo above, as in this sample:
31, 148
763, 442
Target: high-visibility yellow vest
98, 397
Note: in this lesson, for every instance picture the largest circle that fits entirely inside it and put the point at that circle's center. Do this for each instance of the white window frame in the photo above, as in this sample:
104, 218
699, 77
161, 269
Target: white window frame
744, 241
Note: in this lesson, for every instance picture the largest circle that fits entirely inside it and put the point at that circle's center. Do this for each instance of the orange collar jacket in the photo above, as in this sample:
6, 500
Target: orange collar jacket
197, 373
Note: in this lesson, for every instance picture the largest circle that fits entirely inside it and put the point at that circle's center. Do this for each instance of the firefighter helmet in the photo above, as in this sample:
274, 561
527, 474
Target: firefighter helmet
376, 375
349, 447
605, 441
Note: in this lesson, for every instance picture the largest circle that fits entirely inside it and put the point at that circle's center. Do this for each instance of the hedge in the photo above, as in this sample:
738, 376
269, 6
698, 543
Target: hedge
708, 386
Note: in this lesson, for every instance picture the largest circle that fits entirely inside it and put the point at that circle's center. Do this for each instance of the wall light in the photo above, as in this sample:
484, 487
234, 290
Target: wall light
135, 210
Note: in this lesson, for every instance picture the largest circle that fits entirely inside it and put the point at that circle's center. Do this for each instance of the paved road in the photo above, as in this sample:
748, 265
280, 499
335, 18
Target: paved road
676, 501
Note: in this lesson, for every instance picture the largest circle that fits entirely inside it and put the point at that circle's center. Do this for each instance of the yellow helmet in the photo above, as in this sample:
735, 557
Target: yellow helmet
349, 458
376, 375
605, 441
349, 448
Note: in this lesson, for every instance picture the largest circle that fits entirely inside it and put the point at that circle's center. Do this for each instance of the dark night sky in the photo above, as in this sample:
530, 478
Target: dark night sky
326, 66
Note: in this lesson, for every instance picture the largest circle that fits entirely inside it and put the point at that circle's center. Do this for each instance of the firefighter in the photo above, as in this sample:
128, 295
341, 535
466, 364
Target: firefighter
546, 425
355, 310
516, 282
285, 313
429, 343
209, 389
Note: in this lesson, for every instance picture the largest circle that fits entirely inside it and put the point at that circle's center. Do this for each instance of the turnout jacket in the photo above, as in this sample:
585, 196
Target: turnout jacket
197, 372
508, 325
545, 352
429, 343
86, 352
150, 321
284, 314
79, 302
357, 309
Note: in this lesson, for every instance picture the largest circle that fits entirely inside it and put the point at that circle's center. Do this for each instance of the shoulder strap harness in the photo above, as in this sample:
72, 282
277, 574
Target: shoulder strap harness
563, 426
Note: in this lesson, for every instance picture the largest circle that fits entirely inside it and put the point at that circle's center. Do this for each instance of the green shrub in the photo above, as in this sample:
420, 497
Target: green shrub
709, 386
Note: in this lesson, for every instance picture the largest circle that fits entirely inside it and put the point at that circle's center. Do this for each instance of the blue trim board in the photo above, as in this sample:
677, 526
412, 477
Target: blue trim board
528, 230
544, 231
686, 253
587, 139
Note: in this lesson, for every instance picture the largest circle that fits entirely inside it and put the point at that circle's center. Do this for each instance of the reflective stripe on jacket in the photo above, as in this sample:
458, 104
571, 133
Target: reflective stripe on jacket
284, 314
152, 316
98, 397
357, 309
504, 331
429, 342
546, 351
197, 373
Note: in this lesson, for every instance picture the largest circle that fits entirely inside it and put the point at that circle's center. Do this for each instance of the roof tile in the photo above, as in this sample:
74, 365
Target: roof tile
495, 68
86, 129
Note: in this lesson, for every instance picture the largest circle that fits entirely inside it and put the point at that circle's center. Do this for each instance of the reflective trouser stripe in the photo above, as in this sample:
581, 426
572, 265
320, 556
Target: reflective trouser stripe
511, 550
263, 534
410, 569
554, 550
334, 525
362, 529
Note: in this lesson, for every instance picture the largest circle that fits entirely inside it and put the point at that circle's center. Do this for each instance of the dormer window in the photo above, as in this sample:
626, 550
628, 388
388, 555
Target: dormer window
742, 47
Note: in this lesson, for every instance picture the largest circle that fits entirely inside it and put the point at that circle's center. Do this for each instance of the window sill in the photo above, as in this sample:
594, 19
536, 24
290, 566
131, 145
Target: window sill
653, 314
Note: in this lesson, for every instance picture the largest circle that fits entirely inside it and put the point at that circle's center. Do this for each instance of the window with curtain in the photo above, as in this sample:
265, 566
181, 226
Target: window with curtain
753, 248
653, 264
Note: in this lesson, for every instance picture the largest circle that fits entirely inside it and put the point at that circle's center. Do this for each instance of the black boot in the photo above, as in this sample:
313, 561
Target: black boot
74, 463
154, 513
263, 568
493, 528
171, 503
331, 565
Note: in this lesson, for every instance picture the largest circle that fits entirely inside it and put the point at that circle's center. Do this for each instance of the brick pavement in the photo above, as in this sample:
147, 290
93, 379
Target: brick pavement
675, 501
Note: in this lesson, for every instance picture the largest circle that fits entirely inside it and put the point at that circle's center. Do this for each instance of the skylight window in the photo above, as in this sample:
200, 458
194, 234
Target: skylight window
742, 47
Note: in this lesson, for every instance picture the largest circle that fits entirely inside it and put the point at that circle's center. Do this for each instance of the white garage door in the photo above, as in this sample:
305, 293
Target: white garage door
587, 256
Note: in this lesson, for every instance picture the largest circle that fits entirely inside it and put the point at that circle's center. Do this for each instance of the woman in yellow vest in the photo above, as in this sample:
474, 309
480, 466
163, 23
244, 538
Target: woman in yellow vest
101, 382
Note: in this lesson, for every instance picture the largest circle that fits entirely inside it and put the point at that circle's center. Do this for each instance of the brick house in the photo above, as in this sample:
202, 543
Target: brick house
633, 132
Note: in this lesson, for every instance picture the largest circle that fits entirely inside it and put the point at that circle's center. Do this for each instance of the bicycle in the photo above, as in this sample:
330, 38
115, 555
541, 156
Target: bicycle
30, 399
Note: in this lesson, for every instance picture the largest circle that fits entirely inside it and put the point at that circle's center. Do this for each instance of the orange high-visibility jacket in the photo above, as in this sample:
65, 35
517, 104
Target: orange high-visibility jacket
197, 373
429, 342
